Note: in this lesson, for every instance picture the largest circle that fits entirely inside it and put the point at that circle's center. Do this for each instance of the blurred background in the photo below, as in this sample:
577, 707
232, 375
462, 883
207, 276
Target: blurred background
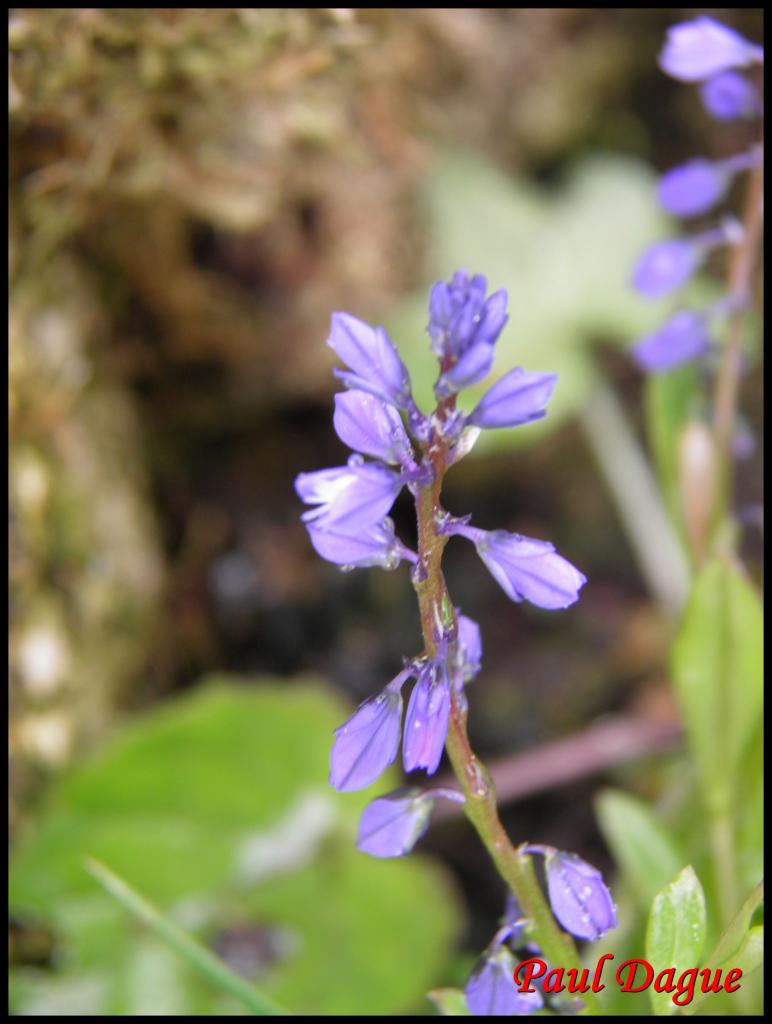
192, 193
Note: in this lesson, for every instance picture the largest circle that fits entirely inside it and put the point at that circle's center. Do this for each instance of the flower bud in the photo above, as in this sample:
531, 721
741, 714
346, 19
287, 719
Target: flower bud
579, 897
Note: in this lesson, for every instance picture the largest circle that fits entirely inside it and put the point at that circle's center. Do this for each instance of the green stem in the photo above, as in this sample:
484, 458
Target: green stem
200, 958
516, 868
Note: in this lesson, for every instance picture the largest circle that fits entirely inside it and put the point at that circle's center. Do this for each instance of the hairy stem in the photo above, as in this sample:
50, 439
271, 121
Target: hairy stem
516, 868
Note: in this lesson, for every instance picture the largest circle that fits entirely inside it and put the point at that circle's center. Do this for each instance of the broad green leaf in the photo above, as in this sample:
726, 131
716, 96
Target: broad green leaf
639, 841
717, 670
216, 807
451, 1002
675, 934
671, 400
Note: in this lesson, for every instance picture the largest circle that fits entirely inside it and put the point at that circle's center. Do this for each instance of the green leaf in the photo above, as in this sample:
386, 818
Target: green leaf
676, 932
216, 807
717, 671
450, 1002
671, 400
641, 844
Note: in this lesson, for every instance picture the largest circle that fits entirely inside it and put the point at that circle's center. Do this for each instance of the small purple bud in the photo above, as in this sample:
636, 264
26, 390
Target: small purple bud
469, 647
491, 990
473, 366
728, 96
525, 568
693, 188
665, 266
349, 498
579, 897
426, 721
372, 359
683, 338
370, 426
698, 49
375, 546
368, 742
517, 398
391, 825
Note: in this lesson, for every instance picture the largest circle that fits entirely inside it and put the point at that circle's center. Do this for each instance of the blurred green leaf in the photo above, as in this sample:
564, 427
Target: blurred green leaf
717, 670
217, 807
676, 932
451, 1002
671, 400
565, 256
639, 841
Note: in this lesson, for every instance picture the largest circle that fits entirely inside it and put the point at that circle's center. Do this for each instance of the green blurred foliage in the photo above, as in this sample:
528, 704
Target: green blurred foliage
216, 807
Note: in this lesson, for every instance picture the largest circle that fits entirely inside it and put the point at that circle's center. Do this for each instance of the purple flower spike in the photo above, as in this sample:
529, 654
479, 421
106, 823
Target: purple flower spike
517, 398
376, 546
372, 359
391, 825
426, 721
349, 498
728, 96
469, 647
370, 426
683, 338
491, 990
693, 188
525, 568
579, 897
464, 327
665, 266
368, 742
698, 49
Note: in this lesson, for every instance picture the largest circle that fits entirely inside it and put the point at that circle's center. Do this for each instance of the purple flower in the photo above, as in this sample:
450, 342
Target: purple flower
491, 990
372, 359
517, 398
698, 49
370, 426
426, 721
579, 897
469, 648
665, 266
368, 742
464, 327
375, 546
349, 498
729, 95
693, 188
391, 825
683, 338
525, 568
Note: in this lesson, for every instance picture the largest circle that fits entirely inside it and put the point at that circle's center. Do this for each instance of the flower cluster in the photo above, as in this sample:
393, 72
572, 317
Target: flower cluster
394, 446
704, 51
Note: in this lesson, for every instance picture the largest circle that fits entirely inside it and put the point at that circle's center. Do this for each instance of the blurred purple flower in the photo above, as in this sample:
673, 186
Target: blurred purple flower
375, 546
350, 498
372, 359
491, 990
367, 743
517, 398
370, 426
683, 338
469, 648
698, 49
728, 96
426, 720
694, 187
464, 327
579, 897
525, 568
665, 266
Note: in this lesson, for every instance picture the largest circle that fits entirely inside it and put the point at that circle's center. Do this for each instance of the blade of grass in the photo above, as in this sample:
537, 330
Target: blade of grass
197, 956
